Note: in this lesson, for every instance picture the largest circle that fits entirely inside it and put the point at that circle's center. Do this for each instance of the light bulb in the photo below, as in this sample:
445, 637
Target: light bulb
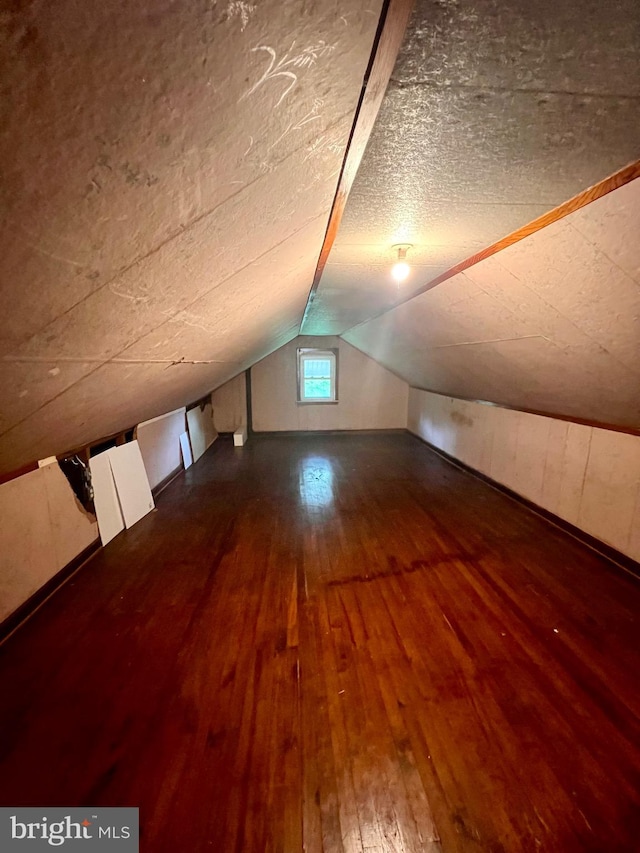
400, 271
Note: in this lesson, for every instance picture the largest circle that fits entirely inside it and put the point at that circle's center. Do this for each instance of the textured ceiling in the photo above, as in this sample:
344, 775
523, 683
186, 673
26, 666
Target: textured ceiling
496, 112
168, 173
169, 169
551, 323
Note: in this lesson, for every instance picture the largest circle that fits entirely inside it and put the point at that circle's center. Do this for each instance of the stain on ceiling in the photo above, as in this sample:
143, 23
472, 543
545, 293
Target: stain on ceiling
495, 113
550, 324
168, 174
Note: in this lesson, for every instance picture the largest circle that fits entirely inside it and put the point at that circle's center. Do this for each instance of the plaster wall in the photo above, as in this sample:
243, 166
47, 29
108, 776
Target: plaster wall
43, 528
369, 395
588, 476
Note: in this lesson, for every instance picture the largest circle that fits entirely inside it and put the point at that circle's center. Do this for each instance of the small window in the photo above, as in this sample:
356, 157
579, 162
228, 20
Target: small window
317, 376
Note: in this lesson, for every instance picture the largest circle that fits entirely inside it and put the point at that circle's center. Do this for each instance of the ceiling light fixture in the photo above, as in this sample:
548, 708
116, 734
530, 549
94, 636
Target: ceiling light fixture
401, 269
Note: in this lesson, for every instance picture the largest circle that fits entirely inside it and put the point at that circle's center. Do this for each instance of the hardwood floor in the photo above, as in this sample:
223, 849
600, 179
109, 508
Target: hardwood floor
336, 643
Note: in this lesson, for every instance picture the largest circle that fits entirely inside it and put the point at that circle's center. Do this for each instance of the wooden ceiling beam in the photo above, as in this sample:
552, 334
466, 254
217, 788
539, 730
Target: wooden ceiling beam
393, 23
612, 182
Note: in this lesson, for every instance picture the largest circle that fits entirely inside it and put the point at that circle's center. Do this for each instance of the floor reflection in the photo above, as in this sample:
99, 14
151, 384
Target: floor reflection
316, 482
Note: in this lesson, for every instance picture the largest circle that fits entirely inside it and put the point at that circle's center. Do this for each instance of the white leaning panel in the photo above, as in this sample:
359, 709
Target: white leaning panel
105, 497
187, 458
202, 432
131, 481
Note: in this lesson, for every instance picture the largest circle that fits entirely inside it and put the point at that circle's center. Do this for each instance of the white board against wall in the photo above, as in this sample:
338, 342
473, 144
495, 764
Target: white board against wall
159, 440
121, 492
105, 497
132, 483
187, 458
201, 429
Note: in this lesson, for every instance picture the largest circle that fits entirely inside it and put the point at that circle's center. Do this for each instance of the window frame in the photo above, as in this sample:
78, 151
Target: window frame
309, 353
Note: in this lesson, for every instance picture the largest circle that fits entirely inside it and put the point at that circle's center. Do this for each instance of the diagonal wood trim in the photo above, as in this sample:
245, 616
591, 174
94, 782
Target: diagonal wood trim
393, 23
613, 182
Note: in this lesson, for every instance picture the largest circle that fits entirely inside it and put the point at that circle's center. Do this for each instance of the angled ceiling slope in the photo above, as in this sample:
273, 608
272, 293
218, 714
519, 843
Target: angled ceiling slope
168, 173
495, 113
550, 324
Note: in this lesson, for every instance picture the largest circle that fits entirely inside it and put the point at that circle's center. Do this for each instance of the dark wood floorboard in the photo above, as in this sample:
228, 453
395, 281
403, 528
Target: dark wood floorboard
338, 644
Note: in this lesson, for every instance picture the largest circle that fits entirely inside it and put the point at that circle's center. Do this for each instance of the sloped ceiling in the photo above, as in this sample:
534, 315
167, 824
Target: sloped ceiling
550, 324
168, 169
496, 112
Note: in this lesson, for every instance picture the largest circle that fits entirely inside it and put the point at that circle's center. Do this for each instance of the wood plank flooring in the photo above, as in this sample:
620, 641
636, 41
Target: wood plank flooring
338, 644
